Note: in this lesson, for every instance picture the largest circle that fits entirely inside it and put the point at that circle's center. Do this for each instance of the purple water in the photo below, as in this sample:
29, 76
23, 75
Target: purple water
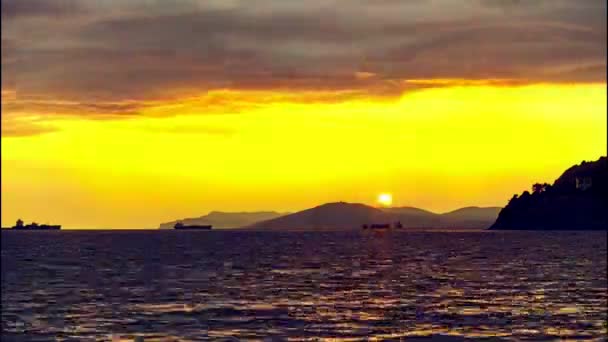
170, 285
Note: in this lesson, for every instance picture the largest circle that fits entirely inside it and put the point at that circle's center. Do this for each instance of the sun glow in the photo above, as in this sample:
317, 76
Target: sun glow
385, 199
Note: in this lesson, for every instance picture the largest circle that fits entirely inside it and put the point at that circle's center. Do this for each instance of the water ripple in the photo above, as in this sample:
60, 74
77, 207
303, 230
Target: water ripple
190, 286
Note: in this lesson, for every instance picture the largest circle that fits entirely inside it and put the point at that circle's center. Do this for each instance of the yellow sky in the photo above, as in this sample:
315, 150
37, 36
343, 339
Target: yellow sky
437, 148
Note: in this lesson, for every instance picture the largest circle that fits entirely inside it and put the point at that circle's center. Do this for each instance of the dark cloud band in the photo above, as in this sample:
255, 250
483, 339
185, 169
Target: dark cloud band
112, 51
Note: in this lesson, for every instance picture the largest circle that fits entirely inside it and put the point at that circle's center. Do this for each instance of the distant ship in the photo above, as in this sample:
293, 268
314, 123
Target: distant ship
396, 225
182, 226
34, 226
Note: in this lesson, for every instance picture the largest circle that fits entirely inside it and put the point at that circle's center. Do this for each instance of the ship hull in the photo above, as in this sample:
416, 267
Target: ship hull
382, 226
34, 226
37, 228
193, 228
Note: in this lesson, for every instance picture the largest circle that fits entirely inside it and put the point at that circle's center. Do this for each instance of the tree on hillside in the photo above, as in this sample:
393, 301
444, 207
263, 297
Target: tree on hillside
538, 188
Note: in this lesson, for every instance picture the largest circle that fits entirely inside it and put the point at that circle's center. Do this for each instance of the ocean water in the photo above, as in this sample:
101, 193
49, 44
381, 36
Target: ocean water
168, 285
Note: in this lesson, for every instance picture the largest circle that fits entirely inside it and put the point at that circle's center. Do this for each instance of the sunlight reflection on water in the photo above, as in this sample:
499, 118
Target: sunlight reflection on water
346, 286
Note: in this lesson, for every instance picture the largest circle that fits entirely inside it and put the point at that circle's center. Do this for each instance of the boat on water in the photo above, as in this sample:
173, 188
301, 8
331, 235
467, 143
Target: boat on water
181, 226
35, 226
382, 226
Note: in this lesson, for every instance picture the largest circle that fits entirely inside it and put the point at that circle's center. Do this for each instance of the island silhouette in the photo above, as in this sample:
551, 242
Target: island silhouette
575, 201
349, 216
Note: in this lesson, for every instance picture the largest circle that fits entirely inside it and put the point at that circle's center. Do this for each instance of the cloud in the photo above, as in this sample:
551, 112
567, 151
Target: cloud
20, 125
434, 82
39, 8
364, 75
15, 130
112, 56
28, 115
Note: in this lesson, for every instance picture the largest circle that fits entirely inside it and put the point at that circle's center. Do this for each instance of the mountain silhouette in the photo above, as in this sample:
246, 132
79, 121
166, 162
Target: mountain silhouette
330, 216
575, 201
219, 219
470, 217
351, 216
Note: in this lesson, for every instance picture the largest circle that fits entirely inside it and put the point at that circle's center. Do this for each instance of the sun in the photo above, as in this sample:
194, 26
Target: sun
385, 199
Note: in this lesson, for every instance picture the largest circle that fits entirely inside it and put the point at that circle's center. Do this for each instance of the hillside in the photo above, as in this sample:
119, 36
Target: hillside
470, 217
330, 216
220, 219
350, 216
575, 201
412, 211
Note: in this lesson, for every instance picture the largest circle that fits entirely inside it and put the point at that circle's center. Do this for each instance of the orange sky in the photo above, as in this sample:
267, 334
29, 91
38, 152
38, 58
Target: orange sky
125, 114
438, 148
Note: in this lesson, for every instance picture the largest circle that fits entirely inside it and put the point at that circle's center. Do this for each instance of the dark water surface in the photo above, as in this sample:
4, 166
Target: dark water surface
168, 285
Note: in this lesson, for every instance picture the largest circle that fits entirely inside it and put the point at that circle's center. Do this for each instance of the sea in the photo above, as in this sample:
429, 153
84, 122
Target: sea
273, 286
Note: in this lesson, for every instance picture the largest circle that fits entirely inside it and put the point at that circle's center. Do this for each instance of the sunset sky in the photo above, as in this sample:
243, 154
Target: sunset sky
125, 114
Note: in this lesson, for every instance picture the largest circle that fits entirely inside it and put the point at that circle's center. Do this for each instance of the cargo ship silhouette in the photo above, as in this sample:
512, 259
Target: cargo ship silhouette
396, 225
34, 226
181, 226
